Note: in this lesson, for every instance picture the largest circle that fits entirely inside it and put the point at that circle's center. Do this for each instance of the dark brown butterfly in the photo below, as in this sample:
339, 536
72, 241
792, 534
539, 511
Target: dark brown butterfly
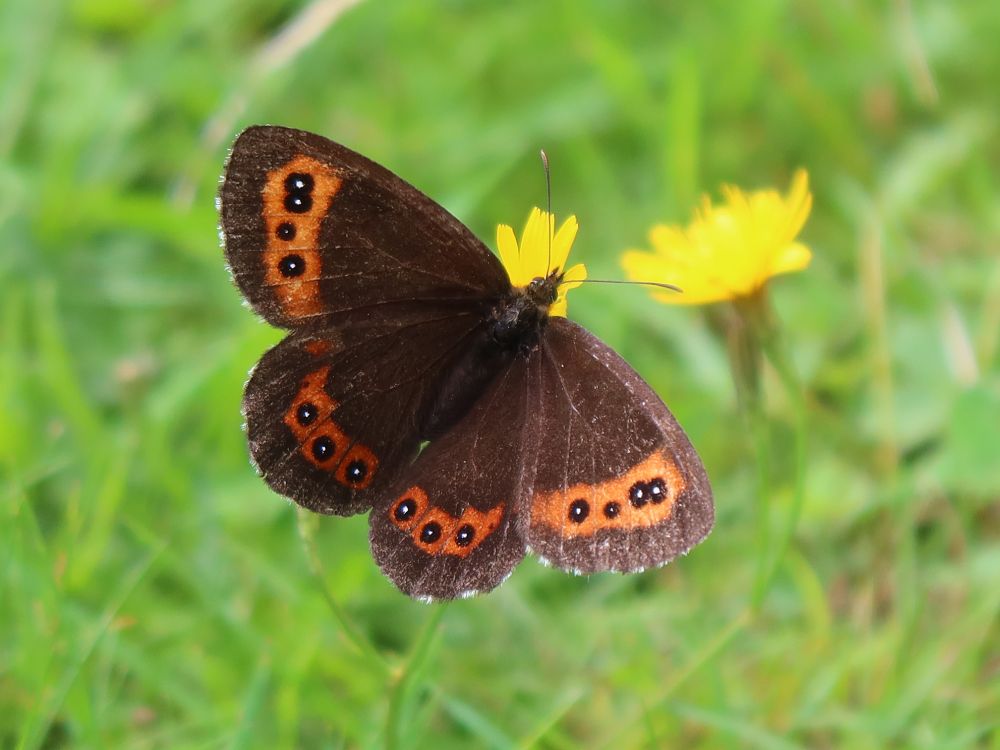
419, 383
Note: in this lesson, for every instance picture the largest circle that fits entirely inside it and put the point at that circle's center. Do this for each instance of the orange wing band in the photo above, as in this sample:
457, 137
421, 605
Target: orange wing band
297, 196
641, 498
438, 532
322, 441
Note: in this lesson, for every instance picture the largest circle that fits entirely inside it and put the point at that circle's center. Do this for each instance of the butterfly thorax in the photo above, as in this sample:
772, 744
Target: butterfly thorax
519, 318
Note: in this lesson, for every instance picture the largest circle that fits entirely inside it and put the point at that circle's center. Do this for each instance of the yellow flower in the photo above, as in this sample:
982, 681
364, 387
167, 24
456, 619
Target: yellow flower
727, 251
539, 255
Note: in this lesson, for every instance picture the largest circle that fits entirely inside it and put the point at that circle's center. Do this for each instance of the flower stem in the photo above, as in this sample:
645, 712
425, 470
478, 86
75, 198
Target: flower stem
758, 428
744, 324
767, 332
793, 389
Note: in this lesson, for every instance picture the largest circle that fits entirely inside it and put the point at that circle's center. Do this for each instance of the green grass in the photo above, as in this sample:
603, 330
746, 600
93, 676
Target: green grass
155, 594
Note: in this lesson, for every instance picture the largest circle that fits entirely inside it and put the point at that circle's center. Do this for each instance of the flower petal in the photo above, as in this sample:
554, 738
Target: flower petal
794, 257
799, 204
570, 280
574, 276
562, 243
534, 245
507, 248
697, 288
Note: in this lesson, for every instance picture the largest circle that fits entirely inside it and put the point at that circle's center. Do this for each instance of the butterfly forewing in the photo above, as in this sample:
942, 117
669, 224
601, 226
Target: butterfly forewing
318, 236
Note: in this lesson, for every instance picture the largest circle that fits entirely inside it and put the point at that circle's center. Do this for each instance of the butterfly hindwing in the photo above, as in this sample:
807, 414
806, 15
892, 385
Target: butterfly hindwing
451, 526
332, 422
617, 484
318, 236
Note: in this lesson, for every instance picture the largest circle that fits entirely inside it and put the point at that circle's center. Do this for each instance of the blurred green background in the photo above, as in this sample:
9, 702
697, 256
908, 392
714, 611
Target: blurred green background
155, 594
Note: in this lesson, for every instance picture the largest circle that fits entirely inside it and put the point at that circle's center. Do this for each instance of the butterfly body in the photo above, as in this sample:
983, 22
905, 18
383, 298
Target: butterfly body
418, 382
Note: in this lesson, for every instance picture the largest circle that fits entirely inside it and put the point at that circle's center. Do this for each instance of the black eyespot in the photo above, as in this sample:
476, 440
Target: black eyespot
657, 490
639, 494
323, 448
357, 470
291, 266
298, 203
579, 510
299, 182
464, 536
430, 533
305, 414
612, 509
406, 509
285, 231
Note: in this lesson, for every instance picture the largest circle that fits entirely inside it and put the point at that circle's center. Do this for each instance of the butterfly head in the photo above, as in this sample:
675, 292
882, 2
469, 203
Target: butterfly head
537, 264
544, 290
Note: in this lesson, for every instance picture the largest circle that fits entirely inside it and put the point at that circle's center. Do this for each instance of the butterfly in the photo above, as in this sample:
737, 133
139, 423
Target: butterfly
417, 382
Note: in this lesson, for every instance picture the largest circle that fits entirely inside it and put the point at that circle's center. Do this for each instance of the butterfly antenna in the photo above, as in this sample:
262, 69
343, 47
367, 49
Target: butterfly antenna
551, 228
550, 219
660, 284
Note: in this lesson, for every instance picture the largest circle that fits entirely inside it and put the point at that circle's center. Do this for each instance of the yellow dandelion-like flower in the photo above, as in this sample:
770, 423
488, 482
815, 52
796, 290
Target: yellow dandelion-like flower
730, 250
541, 254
